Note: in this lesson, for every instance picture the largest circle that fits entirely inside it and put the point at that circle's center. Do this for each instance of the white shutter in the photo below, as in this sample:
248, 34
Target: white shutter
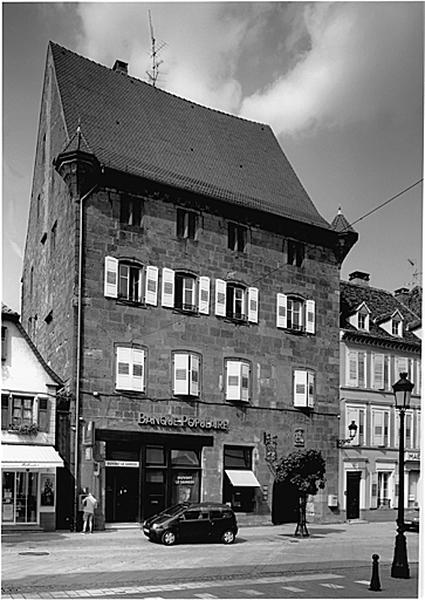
310, 389
378, 428
220, 297
401, 366
253, 305
140, 292
35, 410
138, 369
233, 380
151, 289
281, 311
352, 414
378, 371
181, 374
167, 288
194, 375
310, 316
300, 388
123, 369
374, 490
244, 382
111, 277
204, 295
352, 374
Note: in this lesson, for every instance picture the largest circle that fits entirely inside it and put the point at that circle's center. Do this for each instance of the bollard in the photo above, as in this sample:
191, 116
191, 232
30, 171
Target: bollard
375, 584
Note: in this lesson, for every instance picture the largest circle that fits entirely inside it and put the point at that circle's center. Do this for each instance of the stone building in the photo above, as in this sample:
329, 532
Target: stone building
28, 410
182, 283
380, 338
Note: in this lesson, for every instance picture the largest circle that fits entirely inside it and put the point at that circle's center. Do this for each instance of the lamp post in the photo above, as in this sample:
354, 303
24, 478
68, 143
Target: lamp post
400, 567
352, 430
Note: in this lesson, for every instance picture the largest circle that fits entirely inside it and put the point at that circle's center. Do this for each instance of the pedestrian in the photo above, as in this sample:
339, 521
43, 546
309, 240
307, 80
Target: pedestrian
89, 504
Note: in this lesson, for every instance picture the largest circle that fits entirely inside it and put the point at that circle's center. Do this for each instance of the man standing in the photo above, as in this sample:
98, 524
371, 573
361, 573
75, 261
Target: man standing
89, 504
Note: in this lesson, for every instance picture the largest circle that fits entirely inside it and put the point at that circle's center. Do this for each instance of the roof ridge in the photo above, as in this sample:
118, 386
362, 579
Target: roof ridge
140, 81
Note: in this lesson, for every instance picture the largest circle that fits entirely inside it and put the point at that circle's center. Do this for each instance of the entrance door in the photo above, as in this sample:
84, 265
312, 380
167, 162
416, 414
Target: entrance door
285, 504
353, 494
122, 494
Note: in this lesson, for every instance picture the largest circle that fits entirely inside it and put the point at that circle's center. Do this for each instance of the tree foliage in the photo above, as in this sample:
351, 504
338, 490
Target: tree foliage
304, 469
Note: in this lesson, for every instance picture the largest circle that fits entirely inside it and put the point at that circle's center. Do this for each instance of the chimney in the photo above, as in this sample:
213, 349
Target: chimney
121, 67
359, 278
402, 295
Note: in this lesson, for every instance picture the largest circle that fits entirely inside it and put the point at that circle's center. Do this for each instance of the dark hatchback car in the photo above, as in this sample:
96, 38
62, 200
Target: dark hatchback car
411, 519
192, 523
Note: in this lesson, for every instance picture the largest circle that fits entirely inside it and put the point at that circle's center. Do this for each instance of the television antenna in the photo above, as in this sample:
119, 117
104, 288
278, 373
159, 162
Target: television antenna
154, 72
416, 274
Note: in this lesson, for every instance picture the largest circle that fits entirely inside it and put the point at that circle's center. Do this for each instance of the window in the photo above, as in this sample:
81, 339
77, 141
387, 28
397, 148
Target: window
130, 369
396, 327
24, 411
187, 224
380, 427
186, 368
238, 380
236, 237
356, 369
130, 282
303, 389
185, 292
4, 342
295, 253
363, 319
295, 313
131, 211
237, 457
358, 415
236, 302
378, 371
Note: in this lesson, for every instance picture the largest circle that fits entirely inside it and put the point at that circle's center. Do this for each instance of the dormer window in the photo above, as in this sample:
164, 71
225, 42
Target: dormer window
363, 318
396, 327
236, 237
187, 224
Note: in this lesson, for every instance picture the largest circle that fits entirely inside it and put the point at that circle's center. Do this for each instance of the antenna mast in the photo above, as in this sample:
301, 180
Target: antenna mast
154, 72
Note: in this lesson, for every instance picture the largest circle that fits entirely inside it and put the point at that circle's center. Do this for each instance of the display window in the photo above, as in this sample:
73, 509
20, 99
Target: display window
19, 497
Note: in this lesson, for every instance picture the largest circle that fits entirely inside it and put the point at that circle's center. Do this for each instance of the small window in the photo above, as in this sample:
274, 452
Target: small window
43, 423
155, 455
237, 457
22, 411
236, 302
185, 292
4, 342
130, 282
238, 380
295, 313
187, 224
236, 237
186, 374
304, 388
131, 211
396, 327
295, 253
130, 369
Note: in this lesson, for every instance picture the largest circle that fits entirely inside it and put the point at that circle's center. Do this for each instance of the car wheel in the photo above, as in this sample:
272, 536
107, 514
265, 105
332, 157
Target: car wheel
228, 537
168, 538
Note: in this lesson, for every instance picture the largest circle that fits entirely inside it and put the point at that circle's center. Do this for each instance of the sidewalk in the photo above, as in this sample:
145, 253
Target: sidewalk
72, 561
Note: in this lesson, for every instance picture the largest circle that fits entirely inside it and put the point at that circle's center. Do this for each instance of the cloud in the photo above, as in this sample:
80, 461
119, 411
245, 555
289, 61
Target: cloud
358, 65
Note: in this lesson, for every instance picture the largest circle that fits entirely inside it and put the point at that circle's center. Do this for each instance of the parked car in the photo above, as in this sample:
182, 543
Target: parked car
205, 521
411, 519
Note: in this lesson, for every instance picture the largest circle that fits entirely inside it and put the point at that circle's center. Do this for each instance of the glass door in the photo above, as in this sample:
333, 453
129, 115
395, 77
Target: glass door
8, 497
19, 497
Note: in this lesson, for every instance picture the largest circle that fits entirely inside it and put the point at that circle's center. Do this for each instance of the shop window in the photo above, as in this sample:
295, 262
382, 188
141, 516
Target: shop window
239, 459
186, 371
155, 455
130, 369
295, 313
236, 237
131, 211
295, 253
185, 458
187, 224
238, 380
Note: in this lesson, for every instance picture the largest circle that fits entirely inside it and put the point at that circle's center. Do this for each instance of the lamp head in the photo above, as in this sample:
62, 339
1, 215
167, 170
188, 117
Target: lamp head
352, 430
402, 391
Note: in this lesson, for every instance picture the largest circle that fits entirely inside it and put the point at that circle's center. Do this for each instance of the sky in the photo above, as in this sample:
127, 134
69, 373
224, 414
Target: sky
341, 85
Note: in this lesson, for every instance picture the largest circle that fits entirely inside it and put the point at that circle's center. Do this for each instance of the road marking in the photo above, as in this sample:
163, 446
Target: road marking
363, 581
201, 596
292, 588
252, 592
332, 586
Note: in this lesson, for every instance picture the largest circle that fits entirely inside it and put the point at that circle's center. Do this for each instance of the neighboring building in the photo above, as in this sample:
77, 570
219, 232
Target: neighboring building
378, 342
28, 409
207, 315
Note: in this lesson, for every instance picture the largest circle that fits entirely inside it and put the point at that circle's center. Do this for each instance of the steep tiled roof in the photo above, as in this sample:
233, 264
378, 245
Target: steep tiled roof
134, 127
382, 304
340, 223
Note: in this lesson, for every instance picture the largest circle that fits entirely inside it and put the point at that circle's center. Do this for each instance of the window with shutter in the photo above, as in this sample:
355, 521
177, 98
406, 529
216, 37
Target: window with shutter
185, 292
253, 305
111, 277
238, 385
378, 371
186, 366
43, 416
236, 302
204, 295
303, 388
236, 237
167, 288
281, 311
187, 224
130, 369
380, 427
352, 413
352, 376
151, 286
220, 297
130, 284
295, 313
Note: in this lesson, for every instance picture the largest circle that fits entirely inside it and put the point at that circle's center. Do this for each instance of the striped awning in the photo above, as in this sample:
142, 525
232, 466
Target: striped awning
27, 456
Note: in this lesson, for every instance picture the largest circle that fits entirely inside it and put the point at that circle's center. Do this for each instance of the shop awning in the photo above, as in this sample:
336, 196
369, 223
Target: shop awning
242, 478
18, 456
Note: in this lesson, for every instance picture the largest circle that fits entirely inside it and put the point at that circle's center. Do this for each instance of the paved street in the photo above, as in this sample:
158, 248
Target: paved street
266, 562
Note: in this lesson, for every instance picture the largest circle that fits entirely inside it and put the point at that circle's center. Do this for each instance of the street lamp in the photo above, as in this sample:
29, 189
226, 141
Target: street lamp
352, 430
400, 567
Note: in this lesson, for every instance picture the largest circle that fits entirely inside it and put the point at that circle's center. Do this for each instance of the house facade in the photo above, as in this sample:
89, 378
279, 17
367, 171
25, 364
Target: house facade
29, 458
380, 338
182, 283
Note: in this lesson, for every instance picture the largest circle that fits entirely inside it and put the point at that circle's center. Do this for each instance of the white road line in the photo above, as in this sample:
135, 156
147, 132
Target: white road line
206, 596
252, 592
332, 586
363, 581
292, 589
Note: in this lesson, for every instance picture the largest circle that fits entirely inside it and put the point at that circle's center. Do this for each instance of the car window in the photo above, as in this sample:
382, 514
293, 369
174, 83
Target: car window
204, 515
190, 515
216, 514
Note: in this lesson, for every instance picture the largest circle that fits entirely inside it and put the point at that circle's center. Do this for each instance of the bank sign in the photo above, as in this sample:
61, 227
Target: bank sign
184, 421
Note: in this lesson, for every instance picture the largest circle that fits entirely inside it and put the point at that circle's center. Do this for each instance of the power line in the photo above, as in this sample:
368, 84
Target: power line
383, 204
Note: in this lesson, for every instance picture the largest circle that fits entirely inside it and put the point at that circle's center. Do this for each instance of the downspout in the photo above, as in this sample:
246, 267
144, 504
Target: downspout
78, 357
